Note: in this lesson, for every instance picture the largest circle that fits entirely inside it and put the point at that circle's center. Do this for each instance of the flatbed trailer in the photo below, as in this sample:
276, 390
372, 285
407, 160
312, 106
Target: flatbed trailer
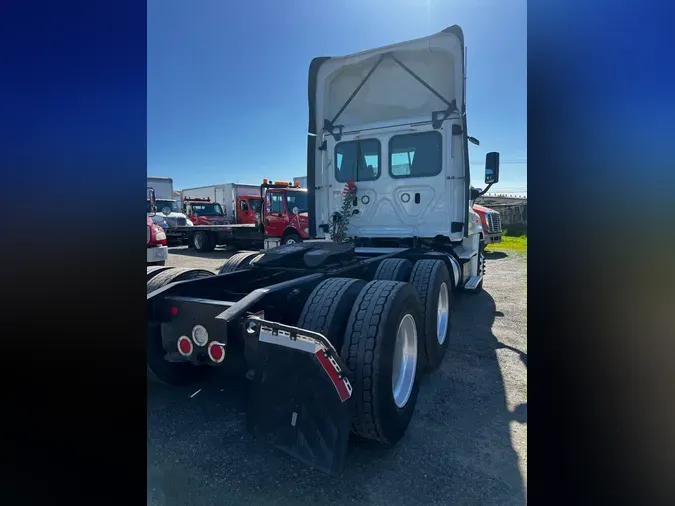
205, 238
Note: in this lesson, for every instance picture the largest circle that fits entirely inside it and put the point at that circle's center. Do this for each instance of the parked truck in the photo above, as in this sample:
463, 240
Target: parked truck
231, 197
168, 213
337, 335
162, 185
491, 223
157, 251
285, 221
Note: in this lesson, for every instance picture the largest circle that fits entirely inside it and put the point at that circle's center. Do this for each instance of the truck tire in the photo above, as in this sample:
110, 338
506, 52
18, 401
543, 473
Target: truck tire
238, 261
328, 307
383, 407
203, 242
154, 270
433, 282
158, 369
172, 275
291, 239
394, 269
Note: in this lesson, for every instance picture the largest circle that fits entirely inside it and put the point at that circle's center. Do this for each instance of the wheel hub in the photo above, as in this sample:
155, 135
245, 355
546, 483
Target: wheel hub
198, 241
405, 361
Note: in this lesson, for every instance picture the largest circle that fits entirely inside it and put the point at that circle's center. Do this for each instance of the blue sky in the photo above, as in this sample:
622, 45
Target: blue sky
227, 81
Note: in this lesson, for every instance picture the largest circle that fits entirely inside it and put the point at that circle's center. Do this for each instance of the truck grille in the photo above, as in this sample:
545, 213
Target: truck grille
494, 223
175, 222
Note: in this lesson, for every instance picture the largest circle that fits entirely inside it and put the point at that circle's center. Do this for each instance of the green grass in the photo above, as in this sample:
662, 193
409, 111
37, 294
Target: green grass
512, 240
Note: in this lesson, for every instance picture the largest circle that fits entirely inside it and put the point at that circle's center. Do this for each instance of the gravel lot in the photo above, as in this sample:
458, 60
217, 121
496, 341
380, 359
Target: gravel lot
467, 443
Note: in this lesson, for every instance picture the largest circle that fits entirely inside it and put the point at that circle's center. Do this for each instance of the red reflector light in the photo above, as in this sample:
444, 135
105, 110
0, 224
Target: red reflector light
174, 311
216, 352
184, 346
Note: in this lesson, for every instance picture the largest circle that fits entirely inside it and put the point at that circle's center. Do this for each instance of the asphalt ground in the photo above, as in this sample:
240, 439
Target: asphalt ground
466, 444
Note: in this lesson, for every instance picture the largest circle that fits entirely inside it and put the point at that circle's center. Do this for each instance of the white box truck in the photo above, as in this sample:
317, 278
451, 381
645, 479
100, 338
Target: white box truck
224, 194
163, 186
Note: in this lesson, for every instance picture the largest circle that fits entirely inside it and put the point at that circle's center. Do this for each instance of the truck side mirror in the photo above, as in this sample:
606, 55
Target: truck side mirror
492, 168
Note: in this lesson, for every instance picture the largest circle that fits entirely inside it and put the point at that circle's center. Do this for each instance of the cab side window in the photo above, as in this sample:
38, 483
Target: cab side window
277, 204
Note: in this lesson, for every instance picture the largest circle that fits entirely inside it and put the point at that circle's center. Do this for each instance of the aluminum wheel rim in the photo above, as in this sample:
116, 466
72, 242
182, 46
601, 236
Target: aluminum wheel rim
442, 314
290, 241
198, 241
405, 361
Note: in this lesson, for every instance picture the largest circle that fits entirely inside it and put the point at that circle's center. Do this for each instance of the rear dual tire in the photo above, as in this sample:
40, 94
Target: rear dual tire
434, 284
363, 322
239, 261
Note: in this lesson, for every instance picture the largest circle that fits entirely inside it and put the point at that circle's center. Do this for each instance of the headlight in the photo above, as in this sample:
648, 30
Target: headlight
160, 236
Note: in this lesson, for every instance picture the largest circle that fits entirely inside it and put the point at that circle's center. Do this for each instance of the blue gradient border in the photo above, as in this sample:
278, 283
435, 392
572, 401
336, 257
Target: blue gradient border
601, 117
72, 164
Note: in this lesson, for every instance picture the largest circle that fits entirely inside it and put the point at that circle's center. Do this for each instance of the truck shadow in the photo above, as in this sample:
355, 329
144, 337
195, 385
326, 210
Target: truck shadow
495, 255
457, 450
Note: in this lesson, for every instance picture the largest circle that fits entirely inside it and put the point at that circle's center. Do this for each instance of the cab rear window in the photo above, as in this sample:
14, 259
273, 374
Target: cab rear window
415, 155
357, 160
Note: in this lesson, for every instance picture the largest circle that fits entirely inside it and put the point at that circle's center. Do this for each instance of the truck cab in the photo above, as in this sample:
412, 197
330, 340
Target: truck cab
491, 223
286, 212
392, 122
201, 211
157, 251
248, 207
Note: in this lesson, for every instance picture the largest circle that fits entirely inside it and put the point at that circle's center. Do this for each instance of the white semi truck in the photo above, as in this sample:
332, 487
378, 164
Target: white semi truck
167, 212
337, 334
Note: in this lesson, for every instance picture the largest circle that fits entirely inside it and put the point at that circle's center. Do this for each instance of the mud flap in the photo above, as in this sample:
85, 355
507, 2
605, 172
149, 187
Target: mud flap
301, 398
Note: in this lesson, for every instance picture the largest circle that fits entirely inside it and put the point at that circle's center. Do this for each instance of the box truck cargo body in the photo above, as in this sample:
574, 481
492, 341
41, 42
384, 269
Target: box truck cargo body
163, 186
225, 194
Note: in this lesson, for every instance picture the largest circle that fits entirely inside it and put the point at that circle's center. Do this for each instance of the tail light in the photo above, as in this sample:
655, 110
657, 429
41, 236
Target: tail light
185, 346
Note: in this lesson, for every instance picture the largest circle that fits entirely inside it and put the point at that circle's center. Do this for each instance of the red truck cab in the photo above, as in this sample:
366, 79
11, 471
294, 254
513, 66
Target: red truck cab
248, 207
201, 211
286, 212
491, 222
156, 242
